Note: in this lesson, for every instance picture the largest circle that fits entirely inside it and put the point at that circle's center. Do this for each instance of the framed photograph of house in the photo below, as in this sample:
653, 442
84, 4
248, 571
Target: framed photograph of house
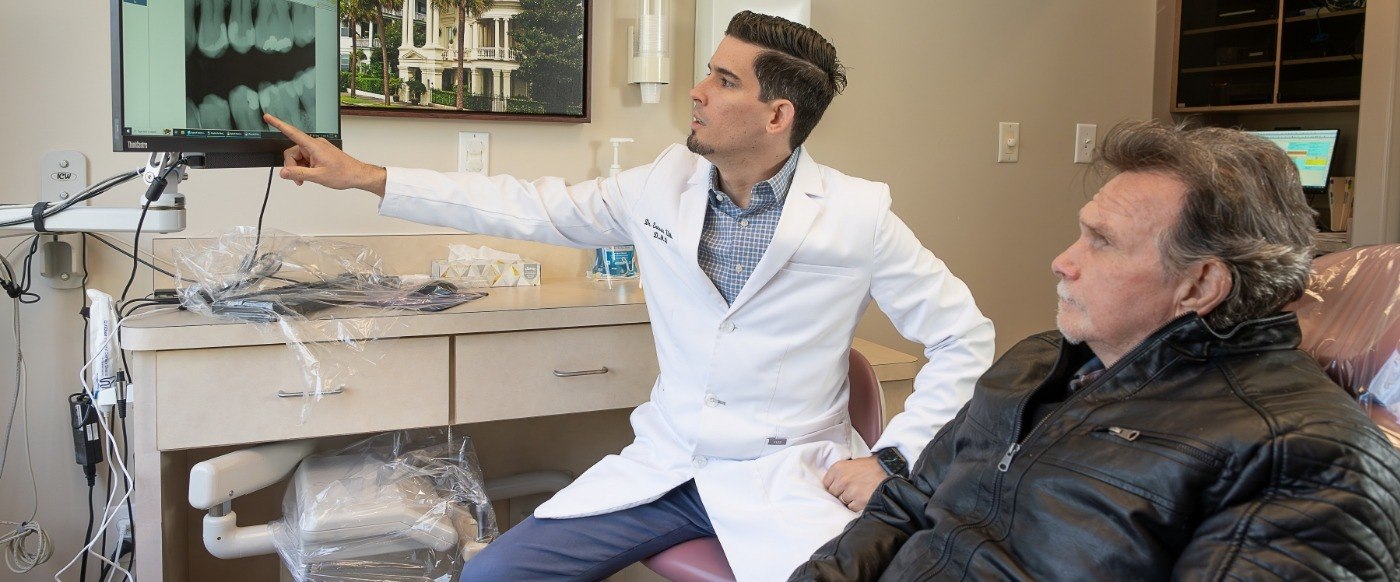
490, 59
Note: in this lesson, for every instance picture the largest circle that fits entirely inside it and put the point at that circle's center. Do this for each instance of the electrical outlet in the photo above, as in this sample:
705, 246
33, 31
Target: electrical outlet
1008, 142
474, 152
1085, 139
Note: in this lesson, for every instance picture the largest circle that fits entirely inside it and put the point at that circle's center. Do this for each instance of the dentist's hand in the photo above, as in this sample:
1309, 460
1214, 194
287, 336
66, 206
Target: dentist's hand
313, 159
853, 481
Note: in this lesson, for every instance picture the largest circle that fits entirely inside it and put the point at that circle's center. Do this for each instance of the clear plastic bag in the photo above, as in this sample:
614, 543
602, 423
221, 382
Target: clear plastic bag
278, 276
1350, 316
322, 295
400, 506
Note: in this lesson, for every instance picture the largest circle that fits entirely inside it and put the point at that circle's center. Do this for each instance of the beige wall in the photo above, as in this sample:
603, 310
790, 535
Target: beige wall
929, 82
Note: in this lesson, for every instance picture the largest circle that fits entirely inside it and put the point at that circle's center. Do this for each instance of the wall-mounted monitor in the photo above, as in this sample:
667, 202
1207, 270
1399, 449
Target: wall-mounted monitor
195, 76
1311, 149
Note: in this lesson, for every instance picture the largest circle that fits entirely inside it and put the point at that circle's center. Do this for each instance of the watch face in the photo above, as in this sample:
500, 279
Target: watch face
892, 461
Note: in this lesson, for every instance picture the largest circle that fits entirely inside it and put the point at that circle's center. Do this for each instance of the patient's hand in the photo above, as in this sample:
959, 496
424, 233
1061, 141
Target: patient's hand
854, 481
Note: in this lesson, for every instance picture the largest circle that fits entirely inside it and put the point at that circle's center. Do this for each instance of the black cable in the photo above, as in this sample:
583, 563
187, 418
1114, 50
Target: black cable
257, 235
135, 244
25, 276
267, 195
141, 303
87, 537
132, 255
107, 494
85, 195
126, 460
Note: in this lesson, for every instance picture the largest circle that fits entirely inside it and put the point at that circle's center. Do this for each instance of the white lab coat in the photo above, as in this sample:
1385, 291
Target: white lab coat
751, 400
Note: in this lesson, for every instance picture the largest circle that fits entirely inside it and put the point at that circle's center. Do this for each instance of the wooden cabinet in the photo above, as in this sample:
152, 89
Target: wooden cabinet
247, 394
525, 374
1268, 55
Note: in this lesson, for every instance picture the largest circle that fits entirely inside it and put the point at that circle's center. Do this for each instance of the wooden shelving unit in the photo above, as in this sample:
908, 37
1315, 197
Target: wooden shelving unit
1266, 55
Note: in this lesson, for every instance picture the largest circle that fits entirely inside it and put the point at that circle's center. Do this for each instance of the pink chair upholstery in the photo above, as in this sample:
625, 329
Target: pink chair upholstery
1350, 318
702, 559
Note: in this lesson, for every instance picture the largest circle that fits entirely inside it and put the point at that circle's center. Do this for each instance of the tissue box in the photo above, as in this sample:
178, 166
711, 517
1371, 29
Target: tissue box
489, 272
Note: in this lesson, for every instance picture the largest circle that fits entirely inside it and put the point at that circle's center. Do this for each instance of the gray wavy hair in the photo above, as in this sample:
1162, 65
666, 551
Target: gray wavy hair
1244, 205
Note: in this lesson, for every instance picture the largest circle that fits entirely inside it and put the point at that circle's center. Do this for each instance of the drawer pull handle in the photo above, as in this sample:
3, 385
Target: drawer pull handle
286, 394
602, 370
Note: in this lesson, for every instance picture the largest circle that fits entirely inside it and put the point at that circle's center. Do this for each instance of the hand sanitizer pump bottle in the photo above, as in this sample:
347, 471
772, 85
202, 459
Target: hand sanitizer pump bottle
618, 262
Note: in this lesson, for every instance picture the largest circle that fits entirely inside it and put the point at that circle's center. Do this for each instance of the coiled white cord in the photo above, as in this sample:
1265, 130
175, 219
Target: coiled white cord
18, 556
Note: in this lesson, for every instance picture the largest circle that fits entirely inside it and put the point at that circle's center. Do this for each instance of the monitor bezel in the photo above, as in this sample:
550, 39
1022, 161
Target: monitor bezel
261, 149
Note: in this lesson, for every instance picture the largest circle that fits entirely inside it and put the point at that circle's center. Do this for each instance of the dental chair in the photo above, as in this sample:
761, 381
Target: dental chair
702, 559
369, 517
1350, 318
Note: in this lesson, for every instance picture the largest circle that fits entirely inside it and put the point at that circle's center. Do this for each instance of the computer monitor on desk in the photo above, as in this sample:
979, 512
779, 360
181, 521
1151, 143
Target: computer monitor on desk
1311, 149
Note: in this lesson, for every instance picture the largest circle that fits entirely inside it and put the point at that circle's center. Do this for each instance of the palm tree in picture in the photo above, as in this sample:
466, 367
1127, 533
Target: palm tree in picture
465, 9
353, 12
380, 7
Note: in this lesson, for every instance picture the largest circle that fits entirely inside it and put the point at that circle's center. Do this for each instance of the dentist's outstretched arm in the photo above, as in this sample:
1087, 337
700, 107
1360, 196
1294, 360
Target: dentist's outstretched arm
313, 159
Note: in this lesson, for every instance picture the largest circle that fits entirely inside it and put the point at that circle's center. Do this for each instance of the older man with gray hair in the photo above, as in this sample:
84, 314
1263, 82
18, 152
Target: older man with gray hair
1170, 428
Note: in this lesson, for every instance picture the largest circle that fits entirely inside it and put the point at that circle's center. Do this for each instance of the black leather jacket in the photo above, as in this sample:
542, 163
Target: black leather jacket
1196, 456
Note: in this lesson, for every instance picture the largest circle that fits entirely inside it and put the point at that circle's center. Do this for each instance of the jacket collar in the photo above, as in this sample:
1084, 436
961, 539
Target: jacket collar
1189, 336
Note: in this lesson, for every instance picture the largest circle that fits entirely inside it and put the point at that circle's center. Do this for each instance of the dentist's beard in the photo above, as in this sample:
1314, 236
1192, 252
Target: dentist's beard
694, 145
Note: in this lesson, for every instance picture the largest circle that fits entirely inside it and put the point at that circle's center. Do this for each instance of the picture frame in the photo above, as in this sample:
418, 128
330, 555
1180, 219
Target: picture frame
525, 60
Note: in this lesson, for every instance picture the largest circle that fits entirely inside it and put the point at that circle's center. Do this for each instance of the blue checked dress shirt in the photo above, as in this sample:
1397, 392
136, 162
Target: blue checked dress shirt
734, 239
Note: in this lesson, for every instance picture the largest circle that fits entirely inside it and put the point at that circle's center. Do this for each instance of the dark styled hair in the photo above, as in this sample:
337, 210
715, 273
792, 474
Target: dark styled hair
799, 65
1244, 205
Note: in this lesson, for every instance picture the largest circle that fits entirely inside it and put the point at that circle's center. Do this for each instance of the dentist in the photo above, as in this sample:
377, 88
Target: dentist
759, 263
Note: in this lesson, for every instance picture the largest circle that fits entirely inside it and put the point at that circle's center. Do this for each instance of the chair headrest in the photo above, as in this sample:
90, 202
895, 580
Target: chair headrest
1350, 318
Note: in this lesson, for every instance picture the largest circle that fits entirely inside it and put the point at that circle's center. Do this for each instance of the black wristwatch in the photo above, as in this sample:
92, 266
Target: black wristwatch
892, 462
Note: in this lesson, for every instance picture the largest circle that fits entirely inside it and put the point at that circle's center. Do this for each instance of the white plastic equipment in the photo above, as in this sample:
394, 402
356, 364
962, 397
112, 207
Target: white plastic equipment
360, 517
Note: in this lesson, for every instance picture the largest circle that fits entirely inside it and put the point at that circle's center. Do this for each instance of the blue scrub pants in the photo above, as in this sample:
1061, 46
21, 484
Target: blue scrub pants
594, 547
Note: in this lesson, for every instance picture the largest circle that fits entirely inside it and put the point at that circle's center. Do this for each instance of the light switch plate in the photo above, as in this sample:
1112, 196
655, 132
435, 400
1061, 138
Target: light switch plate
474, 152
1085, 140
1008, 142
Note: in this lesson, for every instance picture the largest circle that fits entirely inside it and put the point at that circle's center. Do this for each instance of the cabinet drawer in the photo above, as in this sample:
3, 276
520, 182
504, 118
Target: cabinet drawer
229, 395
513, 375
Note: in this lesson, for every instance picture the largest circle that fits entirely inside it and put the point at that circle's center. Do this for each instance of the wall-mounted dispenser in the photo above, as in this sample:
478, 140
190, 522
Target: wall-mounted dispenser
649, 49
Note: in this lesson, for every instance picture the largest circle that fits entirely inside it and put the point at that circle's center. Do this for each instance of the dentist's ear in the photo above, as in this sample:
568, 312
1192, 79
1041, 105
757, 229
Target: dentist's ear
1204, 286
784, 112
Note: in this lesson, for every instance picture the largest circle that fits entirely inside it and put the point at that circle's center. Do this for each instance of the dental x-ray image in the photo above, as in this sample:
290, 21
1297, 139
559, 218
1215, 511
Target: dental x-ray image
234, 49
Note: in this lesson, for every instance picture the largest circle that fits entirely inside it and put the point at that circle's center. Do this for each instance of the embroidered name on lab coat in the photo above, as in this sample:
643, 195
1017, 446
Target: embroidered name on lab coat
658, 233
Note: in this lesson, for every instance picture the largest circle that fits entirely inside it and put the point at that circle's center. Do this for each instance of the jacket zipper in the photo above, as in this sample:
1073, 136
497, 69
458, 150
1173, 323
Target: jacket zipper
1132, 435
1015, 447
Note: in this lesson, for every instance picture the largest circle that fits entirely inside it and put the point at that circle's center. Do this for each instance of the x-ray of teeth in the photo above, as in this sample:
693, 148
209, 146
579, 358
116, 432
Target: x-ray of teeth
303, 24
306, 92
213, 28
240, 25
191, 27
274, 26
247, 112
214, 113
270, 68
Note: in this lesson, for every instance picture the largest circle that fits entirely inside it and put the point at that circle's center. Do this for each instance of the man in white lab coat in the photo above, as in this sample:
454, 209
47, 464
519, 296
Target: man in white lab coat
758, 264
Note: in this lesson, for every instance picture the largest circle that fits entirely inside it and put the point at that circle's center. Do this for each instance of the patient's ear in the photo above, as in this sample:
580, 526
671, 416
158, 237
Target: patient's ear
1204, 287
